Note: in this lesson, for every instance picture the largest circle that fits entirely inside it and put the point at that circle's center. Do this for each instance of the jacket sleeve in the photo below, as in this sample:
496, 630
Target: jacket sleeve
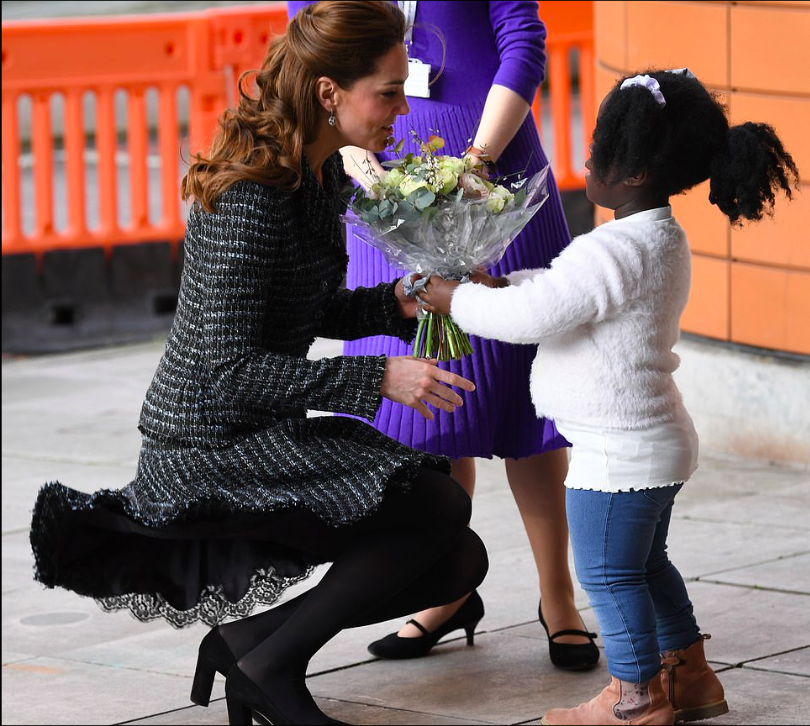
365, 311
590, 281
239, 258
520, 37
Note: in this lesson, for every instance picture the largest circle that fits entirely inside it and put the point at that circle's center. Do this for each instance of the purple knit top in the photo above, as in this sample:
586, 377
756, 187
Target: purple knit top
496, 42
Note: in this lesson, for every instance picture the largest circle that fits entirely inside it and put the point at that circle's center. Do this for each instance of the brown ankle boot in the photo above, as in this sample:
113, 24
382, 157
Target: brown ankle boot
615, 705
691, 685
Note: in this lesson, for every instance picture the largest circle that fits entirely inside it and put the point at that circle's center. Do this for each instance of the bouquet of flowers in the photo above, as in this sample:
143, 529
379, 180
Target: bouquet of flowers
441, 215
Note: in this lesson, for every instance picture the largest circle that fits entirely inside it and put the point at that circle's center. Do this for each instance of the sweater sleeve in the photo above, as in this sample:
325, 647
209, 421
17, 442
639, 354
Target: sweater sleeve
590, 281
236, 278
365, 311
520, 37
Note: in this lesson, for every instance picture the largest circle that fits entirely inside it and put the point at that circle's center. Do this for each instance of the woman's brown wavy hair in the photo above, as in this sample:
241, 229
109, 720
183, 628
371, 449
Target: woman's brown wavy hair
263, 139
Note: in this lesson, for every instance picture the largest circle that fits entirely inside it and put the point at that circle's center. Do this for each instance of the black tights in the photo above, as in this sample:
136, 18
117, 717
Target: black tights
414, 552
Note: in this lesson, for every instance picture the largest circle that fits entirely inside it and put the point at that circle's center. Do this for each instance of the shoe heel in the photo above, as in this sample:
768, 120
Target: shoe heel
470, 630
238, 713
203, 683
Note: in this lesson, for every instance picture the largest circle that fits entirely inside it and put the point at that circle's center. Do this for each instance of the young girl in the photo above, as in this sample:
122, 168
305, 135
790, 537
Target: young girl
605, 317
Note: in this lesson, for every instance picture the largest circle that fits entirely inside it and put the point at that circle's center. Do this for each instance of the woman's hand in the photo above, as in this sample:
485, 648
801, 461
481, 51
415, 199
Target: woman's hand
407, 304
418, 381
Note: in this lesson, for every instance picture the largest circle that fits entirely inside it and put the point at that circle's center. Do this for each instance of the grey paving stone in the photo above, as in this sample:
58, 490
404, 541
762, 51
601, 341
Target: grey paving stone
55, 691
748, 624
701, 548
791, 574
354, 713
757, 697
29, 472
500, 680
796, 663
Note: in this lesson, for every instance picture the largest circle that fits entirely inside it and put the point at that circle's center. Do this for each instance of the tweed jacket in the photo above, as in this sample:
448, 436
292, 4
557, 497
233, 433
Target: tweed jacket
261, 281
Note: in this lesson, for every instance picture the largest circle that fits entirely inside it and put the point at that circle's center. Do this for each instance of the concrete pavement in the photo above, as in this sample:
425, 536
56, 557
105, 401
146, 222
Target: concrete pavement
739, 535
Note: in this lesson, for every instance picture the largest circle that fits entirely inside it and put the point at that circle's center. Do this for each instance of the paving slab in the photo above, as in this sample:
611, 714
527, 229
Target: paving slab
346, 711
30, 471
706, 548
748, 624
789, 574
502, 679
796, 663
757, 697
55, 691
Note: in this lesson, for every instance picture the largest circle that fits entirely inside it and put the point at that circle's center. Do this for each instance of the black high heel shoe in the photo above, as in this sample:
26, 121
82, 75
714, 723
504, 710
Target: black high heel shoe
214, 656
247, 701
466, 617
570, 656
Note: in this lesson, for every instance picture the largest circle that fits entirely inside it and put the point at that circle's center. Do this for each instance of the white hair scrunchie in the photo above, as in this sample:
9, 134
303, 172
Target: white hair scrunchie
647, 82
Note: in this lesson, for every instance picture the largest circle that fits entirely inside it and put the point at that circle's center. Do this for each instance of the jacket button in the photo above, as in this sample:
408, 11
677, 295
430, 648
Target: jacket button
324, 286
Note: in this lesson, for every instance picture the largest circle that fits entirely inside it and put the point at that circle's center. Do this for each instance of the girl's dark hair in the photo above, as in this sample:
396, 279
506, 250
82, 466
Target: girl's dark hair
262, 140
688, 141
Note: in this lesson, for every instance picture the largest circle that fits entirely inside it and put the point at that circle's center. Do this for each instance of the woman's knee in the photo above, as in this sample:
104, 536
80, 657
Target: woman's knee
442, 501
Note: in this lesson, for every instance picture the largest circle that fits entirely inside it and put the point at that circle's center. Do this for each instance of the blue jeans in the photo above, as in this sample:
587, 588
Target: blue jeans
620, 554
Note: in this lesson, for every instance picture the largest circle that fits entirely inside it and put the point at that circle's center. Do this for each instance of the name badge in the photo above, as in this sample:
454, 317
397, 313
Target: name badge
418, 77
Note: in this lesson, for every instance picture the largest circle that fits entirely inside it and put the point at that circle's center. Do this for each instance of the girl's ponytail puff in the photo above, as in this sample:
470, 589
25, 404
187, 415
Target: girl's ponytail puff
749, 170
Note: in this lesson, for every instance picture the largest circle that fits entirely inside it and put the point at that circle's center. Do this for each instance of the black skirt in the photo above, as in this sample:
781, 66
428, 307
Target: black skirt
191, 538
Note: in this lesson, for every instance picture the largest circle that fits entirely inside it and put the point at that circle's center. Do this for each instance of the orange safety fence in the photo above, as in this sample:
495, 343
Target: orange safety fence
155, 62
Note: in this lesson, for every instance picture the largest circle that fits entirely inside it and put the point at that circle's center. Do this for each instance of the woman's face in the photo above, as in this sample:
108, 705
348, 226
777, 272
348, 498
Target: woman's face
366, 113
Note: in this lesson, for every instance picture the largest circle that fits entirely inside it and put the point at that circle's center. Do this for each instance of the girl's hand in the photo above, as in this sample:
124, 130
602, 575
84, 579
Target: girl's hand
407, 304
436, 295
480, 277
418, 381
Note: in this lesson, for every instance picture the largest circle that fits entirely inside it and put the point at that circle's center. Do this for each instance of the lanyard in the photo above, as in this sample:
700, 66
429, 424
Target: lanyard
408, 7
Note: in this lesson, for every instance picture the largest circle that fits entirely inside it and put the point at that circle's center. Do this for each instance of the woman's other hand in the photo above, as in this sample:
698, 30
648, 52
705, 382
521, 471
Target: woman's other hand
407, 304
419, 381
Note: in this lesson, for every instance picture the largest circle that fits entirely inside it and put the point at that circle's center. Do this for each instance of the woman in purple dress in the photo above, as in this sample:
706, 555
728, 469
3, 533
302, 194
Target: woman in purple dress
492, 56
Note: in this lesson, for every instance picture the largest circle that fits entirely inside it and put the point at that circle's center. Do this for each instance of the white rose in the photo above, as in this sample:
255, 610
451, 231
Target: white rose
495, 203
409, 185
451, 163
447, 181
392, 178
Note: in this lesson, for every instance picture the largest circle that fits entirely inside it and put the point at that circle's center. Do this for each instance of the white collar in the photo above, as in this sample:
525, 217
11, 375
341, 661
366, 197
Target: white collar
659, 214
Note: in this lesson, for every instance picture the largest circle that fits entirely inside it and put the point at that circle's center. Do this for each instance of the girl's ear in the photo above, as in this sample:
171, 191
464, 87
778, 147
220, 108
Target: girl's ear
637, 180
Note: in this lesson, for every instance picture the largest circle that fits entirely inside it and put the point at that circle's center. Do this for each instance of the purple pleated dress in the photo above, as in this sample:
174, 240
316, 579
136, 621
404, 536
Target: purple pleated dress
500, 42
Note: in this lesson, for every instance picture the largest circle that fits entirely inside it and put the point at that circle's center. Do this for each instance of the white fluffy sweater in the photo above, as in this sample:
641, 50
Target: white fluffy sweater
605, 317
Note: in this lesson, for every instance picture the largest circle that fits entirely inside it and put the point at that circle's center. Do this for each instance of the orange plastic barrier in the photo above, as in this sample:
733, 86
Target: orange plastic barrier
202, 53
570, 28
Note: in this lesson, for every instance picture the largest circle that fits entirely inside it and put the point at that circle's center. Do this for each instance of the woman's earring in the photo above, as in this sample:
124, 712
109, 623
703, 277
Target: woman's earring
332, 120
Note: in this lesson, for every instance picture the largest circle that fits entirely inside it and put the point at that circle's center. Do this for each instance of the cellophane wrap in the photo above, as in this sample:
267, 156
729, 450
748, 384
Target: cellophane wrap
452, 241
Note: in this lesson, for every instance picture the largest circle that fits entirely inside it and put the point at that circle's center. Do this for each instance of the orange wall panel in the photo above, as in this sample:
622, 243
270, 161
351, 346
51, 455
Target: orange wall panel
706, 312
605, 80
706, 226
770, 307
676, 34
782, 240
770, 48
789, 115
610, 33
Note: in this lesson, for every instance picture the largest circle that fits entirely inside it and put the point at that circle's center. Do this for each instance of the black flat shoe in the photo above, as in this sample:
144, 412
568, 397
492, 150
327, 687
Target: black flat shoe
466, 617
570, 656
247, 701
